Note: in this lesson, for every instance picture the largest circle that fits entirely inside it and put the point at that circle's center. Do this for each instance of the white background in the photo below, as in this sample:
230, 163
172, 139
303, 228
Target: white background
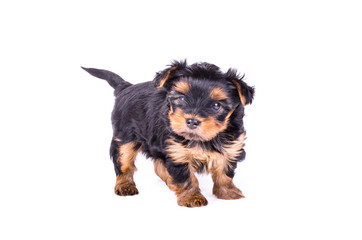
302, 174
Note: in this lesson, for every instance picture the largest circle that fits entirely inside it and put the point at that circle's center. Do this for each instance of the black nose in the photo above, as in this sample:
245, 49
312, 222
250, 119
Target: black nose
192, 123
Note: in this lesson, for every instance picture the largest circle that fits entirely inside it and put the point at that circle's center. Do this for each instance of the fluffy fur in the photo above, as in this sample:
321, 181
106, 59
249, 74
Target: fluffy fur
188, 119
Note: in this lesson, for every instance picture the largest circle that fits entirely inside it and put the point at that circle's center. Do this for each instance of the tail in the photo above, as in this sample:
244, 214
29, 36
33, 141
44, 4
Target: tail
113, 79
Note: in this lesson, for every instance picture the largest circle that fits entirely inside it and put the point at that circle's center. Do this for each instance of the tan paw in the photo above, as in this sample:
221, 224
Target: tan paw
227, 192
126, 189
196, 200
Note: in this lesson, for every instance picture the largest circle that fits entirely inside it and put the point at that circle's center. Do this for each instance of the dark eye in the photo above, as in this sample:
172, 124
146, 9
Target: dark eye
182, 98
216, 106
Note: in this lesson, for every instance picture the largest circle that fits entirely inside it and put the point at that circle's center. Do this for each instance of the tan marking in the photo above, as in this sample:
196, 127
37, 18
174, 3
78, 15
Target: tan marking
125, 185
182, 87
187, 195
190, 196
210, 127
218, 94
124, 182
171, 109
127, 156
197, 157
207, 130
227, 118
242, 98
224, 188
235, 148
163, 80
177, 120
162, 172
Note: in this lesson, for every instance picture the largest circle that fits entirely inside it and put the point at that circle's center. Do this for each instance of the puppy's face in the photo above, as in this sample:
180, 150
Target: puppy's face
200, 109
202, 99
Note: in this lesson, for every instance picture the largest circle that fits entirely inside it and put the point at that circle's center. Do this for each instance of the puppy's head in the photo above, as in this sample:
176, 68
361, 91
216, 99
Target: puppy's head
202, 99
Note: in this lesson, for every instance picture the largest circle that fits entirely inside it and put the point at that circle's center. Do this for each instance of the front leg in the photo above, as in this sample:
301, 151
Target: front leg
224, 187
182, 181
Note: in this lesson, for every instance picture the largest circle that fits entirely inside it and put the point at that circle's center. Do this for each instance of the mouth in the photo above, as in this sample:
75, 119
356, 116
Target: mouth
191, 136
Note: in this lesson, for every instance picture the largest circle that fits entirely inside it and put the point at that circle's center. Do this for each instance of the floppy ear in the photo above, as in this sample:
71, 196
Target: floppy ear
174, 70
246, 93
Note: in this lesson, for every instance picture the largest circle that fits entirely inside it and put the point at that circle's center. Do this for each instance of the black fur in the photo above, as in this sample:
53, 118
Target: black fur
113, 79
141, 111
114, 153
179, 172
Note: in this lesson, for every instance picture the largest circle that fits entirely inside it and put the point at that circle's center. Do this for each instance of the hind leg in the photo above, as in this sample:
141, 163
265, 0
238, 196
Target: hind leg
124, 155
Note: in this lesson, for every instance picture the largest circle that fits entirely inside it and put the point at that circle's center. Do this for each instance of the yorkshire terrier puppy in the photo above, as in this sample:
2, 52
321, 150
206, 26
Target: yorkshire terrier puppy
188, 119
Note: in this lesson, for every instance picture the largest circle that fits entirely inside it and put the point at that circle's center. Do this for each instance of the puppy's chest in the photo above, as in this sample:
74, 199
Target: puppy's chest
199, 157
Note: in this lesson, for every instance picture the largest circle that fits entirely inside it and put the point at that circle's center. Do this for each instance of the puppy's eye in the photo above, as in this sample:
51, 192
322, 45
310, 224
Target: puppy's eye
182, 98
216, 106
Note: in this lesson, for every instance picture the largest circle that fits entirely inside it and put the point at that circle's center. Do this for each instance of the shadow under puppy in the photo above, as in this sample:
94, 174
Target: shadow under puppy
188, 119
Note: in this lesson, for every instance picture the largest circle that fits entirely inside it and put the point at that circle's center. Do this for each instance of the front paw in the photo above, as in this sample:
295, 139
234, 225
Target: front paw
125, 189
227, 192
195, 200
